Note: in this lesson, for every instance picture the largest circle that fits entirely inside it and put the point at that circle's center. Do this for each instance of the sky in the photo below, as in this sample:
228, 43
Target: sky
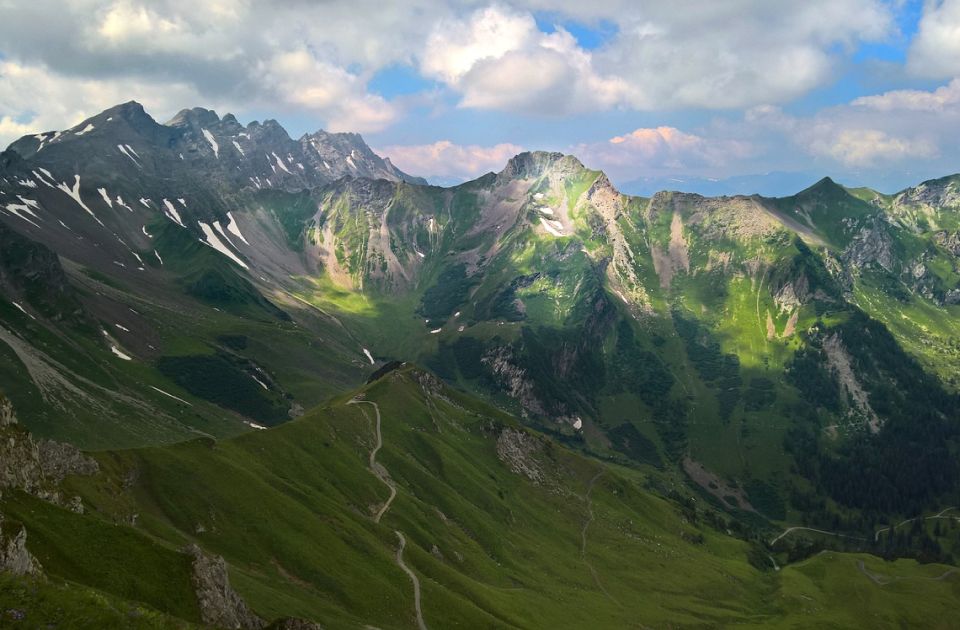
865, 91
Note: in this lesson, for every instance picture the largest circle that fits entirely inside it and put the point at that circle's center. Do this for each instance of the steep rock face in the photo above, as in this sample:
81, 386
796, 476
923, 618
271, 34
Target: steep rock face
36, 467
926, 201
536, 164
14, 556
871, 245
220, 605
610, 205
513, 379
33, 273
340, 154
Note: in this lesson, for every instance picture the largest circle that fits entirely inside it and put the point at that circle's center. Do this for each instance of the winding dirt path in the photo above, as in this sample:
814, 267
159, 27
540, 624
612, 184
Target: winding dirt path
583, 538
812, 529
376, 468
413, 578
381, 473
882, 580
941, 515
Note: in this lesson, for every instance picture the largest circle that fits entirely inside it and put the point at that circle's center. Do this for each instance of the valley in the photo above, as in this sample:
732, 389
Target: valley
355, 399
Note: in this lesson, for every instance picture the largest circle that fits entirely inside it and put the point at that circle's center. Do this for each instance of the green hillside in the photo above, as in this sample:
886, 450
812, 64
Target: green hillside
503, 528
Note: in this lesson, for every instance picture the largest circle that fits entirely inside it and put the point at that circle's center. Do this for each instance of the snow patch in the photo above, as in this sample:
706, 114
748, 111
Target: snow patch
435, 331
21, 309
213, 143
369, 356
86, 129
144, 202
239, 148
123, 150
28, 183
42, 180
15, 209
74, 193
234, 229
157, 389
219, 228
547, 225
172, 213
145, 233
106, 198
280, 163
254, 425
124, 329
218, 245
120, 354
158, 256
30, 203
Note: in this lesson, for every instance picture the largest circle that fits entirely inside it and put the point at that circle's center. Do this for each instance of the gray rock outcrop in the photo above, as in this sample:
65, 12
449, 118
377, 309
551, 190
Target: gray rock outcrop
220, 605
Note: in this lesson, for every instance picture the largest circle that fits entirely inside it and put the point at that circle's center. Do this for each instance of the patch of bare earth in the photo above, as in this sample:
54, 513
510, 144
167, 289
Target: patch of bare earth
840, 363
715, 485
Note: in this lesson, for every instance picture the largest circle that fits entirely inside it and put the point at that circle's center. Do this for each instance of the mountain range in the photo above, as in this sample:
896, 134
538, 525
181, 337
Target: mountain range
259, 381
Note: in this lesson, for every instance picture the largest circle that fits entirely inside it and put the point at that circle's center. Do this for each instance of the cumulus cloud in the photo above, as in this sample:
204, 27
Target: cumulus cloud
698, 54
663, 151
301, 58
449, 161
866, 147
935, 50
498, 58
737, 54
945, 97
298, 78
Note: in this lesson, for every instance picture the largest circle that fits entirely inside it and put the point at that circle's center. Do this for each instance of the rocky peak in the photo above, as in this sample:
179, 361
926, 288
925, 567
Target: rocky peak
131, 111
195, 117
824, 190
535, 164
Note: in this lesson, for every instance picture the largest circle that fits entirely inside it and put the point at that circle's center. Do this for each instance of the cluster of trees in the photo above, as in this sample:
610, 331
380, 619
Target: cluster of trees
913, 462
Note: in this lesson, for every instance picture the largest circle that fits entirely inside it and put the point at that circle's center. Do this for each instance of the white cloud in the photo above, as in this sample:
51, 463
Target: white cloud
938, 100
867, 147
455, 46
498, 58
445, 159
299, 79
736, 54
694, 53
663, 150
935, 50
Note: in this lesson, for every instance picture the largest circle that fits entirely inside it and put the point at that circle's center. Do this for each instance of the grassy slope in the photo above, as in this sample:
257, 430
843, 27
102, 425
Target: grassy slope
290, 510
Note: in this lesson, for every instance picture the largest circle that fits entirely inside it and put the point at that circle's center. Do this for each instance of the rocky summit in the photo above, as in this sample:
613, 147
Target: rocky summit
254, 381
